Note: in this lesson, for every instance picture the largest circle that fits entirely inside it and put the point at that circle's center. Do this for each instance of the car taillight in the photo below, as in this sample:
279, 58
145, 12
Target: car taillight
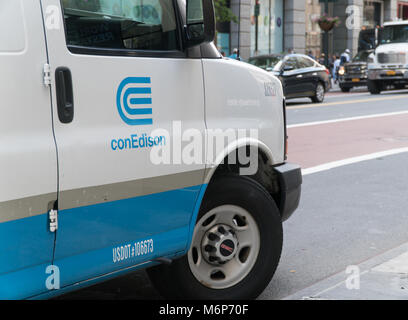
327, 71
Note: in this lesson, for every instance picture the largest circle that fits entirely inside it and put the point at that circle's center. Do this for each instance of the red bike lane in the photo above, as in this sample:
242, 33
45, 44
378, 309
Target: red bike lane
317, 144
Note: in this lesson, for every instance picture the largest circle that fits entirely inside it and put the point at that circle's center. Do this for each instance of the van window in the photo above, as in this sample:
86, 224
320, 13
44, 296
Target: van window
121, 24
195, 12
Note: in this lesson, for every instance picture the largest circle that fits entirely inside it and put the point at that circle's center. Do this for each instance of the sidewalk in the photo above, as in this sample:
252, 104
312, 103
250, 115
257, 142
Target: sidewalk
384, 277
336, 89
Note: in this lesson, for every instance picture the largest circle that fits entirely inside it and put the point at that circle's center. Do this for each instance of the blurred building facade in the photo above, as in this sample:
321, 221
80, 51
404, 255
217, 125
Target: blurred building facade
276, 26
265, 27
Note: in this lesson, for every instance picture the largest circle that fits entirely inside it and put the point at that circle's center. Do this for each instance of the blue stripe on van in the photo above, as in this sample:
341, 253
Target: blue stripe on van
86, 238
87, 235
26, 249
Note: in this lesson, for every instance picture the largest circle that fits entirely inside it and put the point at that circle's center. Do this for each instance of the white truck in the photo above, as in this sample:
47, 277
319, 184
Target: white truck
388, 65
109, 114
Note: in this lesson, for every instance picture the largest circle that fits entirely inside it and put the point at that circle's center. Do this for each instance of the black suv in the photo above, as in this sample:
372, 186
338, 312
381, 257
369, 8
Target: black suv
354, 73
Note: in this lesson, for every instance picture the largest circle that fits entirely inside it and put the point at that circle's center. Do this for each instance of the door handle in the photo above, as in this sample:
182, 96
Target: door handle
65, 96
299, 76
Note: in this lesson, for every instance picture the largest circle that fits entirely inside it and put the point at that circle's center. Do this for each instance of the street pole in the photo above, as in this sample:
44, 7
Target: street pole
256, 14
239, 30
326, 37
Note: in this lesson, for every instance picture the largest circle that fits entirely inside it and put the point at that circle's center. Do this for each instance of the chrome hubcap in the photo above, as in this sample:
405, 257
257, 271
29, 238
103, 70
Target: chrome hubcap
219, 244
225, 247
320, 92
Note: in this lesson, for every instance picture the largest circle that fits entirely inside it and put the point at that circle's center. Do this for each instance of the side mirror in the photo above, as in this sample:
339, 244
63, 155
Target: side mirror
287, 68
200, 22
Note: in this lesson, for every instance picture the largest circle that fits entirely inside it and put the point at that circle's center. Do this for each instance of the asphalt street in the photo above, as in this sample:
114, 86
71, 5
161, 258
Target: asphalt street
345, 105
350, 212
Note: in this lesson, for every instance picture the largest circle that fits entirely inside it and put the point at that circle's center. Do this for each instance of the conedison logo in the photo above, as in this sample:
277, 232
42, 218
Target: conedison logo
134, 101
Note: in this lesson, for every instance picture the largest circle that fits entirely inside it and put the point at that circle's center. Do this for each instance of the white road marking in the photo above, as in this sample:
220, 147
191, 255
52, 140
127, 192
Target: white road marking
335, 286
396, 265
371, 116
344, 162
326, 104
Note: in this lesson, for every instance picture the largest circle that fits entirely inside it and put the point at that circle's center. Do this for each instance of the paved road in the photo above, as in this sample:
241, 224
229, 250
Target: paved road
348, 214
351, 213
339, 105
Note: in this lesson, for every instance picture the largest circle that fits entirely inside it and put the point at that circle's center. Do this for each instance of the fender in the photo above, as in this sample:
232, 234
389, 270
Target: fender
211, 169
238, 144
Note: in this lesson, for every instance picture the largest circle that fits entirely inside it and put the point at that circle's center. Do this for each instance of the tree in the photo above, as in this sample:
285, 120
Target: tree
223, 13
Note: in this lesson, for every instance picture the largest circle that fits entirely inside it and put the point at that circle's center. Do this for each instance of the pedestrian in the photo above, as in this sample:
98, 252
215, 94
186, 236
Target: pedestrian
310, 55
335, 71
234, 54
331, 63
321, 59
345, 57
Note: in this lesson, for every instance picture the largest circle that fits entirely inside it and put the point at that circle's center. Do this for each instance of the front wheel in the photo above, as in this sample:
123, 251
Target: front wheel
374, 86
235, 249
319, 93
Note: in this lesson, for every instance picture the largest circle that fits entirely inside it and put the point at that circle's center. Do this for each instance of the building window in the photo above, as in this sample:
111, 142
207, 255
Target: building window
266, 26
403, 11
373, 10
223, 43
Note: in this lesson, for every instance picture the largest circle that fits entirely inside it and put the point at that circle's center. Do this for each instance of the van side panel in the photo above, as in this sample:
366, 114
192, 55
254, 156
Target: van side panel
128, 109
123, 224
28, 165
25, 253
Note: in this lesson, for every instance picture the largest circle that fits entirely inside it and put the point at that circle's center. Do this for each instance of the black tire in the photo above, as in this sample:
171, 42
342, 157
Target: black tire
319, 93
176, 281
374, 87
345, 89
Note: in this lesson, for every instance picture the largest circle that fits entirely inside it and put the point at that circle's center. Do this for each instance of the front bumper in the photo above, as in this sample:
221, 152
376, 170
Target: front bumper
388, 74
290, 181
351, 81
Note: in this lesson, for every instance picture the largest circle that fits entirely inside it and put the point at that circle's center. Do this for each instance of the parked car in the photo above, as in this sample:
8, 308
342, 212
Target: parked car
354, 73
301, 76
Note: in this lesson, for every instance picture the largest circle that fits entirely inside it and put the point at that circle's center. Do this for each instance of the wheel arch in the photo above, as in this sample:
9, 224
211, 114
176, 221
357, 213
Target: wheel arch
261, 148
265, 174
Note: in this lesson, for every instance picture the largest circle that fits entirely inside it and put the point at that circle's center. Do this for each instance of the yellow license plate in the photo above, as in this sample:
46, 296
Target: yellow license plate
391, 73
355, 80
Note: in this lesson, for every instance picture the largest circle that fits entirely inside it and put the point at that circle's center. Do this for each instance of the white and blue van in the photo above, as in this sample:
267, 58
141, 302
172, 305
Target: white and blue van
107, 162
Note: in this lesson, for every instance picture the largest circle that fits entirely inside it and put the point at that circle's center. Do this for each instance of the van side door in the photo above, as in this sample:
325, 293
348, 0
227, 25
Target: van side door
28, 158
122, 90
